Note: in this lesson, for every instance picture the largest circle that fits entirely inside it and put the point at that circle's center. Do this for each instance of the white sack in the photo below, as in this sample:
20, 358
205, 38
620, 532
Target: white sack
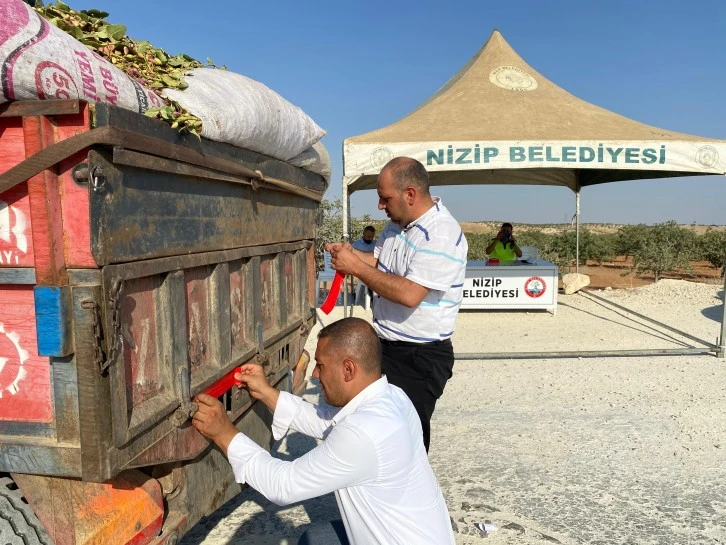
244, 112
315, 159
39, 61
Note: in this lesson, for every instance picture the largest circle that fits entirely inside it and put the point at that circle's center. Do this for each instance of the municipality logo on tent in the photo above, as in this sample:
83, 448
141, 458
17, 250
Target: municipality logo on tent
707, 156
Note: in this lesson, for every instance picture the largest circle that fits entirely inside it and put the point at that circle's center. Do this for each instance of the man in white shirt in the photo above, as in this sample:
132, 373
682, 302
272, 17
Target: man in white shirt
417, 272
366, 243
371, 456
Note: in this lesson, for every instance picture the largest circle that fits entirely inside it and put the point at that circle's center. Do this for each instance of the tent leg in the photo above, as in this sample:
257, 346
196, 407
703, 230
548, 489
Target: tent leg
346, 237
577, 230
721, 349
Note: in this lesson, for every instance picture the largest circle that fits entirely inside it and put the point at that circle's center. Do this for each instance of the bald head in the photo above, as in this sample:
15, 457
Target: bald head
407, 172
356, 339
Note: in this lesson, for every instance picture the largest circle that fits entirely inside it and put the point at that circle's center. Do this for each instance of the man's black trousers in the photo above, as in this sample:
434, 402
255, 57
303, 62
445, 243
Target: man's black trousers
421, 370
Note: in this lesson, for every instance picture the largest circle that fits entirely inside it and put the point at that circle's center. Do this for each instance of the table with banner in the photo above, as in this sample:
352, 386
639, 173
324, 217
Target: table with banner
530, 284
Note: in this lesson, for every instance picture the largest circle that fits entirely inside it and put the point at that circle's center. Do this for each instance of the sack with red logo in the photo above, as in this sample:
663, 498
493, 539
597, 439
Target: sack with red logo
38, 61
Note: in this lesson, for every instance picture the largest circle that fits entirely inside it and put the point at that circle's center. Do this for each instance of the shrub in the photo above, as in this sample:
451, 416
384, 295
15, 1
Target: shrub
712, 248
658, 248
477, 245
330, 227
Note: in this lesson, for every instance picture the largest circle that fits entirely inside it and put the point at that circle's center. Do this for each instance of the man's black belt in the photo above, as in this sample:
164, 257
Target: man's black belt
386, 342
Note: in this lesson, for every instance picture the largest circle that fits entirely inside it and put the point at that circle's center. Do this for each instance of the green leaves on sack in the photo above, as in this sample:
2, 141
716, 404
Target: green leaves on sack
152, 67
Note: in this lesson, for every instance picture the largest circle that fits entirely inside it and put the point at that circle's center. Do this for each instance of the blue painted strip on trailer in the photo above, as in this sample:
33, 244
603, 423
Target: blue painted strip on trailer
52, 320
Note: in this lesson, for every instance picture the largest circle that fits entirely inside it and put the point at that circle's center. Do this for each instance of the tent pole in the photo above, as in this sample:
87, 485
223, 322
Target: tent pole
346, 237
577, 230
346, 206
721, 351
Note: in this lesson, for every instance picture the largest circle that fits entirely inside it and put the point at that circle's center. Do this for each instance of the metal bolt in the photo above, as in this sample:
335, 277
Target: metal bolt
98, 179
80, 173
185, 411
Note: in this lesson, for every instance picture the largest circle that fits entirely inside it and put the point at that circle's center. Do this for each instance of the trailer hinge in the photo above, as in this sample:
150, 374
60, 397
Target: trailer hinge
98, 355
114, 302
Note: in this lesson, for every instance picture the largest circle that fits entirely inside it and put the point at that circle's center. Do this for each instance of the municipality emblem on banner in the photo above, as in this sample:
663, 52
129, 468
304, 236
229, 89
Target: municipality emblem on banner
380, 156
707, 156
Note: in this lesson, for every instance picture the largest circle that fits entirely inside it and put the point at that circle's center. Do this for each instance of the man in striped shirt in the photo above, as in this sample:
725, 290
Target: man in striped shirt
417, 273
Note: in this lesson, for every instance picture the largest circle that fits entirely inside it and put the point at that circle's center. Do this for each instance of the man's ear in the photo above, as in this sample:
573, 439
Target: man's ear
410, 194
350, 369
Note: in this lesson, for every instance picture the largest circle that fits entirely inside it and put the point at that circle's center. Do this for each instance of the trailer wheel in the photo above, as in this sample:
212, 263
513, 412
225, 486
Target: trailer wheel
18, 523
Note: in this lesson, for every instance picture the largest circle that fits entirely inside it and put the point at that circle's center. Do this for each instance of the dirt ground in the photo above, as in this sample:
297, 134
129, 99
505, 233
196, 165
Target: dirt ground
618, 275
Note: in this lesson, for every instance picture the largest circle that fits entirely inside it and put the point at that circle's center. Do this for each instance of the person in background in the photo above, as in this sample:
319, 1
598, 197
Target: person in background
417, 273
371, 454
367, 242
504, 247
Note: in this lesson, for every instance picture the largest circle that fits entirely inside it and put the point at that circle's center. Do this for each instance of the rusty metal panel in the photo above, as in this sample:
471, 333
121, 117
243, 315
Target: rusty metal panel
142, 314
134, 218
108, 115
220, 325
181, 323
151, 328
198, 316
268, 290
139, 345
94, 400
241, 286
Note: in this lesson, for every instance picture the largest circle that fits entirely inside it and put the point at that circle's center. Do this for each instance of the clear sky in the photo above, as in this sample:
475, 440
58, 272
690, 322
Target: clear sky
357, 66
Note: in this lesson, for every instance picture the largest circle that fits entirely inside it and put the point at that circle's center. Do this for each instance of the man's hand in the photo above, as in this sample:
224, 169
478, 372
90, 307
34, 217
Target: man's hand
253, 378
211, 420
337, 246
346, 261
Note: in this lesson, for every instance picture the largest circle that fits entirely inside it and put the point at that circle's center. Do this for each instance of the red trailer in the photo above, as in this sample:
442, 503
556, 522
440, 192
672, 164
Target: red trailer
138, 267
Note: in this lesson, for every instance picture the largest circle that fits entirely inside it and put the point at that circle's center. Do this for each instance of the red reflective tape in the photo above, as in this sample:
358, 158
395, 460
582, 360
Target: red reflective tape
223, 384
147, 534
332, 297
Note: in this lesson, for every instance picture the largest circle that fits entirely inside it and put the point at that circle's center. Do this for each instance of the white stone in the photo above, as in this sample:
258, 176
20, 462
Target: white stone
573, 282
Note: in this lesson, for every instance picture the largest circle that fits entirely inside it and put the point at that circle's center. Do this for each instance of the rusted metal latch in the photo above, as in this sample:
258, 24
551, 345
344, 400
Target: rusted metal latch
98, 355
102, 359
262, 357
185, 411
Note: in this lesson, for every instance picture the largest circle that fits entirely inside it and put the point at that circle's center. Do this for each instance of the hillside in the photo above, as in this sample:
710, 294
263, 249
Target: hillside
552, 228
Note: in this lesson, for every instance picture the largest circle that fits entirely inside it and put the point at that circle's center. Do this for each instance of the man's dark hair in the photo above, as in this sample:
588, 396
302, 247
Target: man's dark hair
408, 172
507, 225
369, 228
355, 338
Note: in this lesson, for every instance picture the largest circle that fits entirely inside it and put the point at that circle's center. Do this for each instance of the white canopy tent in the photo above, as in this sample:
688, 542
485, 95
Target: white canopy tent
499, 121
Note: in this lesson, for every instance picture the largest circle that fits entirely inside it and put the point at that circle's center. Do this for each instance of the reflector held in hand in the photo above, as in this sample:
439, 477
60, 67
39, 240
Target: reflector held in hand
333, 294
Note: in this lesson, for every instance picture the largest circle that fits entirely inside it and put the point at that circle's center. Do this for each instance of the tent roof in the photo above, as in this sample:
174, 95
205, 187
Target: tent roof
497, 101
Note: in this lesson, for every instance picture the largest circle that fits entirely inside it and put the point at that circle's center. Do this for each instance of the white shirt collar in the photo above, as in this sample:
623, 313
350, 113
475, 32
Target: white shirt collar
369, 392
430, 212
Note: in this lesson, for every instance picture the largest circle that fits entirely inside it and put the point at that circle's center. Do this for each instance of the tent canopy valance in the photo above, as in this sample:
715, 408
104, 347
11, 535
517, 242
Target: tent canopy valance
499, 121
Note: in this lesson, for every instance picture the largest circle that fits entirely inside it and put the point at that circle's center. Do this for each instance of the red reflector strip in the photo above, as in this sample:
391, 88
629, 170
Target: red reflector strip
223, 384
332, 297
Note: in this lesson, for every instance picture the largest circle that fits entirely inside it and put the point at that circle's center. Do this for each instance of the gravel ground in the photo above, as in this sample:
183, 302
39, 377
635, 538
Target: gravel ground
618, 450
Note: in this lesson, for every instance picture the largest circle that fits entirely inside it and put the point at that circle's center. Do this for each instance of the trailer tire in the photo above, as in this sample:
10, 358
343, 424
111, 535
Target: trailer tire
18, 523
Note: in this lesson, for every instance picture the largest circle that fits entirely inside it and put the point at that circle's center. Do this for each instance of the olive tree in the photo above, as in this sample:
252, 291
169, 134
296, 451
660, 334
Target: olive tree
713, 248
658, 248
330, 226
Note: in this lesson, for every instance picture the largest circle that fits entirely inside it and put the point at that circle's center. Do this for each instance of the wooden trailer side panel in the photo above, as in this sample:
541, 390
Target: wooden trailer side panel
44, 222
25, 377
